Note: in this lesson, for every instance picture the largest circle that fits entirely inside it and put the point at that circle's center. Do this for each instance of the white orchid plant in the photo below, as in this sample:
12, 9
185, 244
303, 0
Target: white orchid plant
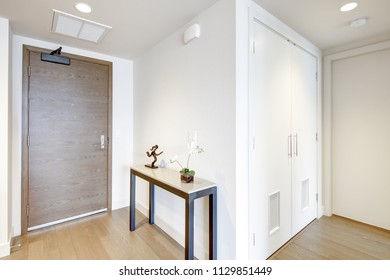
186, 170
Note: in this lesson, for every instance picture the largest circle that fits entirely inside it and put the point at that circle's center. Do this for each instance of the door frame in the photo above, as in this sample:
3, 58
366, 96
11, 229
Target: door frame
25, 126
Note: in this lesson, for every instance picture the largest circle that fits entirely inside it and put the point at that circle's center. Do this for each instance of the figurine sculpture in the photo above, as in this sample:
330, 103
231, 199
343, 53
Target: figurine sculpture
154, 155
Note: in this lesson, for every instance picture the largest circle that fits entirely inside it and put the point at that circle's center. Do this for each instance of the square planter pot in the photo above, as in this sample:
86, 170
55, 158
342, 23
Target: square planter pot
186, 178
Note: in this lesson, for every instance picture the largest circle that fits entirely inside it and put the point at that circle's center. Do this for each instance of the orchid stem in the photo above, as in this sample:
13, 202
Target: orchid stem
188, 161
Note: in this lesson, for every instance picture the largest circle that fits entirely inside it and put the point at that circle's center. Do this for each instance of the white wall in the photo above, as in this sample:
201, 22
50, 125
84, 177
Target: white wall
242, 128
181, 87
5, 137
122, 108
10, 128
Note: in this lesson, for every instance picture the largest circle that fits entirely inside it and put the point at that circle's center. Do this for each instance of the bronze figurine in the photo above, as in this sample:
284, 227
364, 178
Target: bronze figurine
154, 155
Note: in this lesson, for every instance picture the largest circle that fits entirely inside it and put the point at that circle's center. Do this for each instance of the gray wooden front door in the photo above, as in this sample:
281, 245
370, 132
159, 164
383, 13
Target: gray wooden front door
68, 149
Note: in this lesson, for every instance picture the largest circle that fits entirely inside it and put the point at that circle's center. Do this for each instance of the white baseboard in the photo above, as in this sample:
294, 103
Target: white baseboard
201, 253
5, 248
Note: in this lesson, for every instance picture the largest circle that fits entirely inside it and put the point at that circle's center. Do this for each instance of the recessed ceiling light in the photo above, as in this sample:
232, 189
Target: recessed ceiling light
83, 7
358, 22
348, 7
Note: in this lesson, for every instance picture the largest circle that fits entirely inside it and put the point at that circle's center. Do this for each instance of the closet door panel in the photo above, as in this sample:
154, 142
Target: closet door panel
304, 128
270, 123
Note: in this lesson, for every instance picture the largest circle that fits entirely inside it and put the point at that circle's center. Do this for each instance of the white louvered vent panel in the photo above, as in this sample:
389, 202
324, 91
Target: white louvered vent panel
305, 195
274, 212
70, 25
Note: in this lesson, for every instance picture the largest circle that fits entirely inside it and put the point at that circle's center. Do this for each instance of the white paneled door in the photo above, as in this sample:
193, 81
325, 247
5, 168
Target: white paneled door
283, 121
304, 134
270, 168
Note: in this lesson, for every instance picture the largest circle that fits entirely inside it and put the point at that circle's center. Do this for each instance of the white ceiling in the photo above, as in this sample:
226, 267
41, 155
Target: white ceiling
140, 24
324, 25
136, 24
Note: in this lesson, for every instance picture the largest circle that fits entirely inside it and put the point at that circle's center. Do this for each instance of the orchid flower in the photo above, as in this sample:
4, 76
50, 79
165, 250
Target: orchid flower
196, 150
174, 159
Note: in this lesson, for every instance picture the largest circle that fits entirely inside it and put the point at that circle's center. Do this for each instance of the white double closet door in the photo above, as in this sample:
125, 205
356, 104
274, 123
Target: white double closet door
283, 127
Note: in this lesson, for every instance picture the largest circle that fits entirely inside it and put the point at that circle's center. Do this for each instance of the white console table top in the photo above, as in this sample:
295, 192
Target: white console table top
172, 178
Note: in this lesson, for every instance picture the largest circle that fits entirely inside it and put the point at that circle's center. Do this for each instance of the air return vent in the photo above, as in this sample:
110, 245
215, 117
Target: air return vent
70, 25
274, 212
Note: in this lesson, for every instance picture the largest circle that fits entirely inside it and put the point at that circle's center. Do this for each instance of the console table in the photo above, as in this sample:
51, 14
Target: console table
169, 180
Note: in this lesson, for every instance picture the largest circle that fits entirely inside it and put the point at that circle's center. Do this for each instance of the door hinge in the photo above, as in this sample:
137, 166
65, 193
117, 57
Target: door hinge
27, 210
108, 139
317, 197
29, 70
28, 140
317, 136
254, 239
254, 46
254, 143
316, 76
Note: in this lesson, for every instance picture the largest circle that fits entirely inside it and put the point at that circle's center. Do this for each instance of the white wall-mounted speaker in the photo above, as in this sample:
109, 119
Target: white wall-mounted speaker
192, 32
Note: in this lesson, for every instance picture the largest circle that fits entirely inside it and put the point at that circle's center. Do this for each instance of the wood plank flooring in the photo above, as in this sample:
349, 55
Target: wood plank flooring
337, 238
103, 236
106, 236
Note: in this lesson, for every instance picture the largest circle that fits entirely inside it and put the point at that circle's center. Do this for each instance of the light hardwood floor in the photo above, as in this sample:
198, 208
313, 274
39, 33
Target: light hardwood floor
337, 238
103, 236
106, 236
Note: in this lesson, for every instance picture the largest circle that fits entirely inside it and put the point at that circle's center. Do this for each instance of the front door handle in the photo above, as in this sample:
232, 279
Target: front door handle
102, 141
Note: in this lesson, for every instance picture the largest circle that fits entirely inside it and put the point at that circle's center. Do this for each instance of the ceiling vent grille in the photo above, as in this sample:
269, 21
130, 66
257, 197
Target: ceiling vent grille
70, 25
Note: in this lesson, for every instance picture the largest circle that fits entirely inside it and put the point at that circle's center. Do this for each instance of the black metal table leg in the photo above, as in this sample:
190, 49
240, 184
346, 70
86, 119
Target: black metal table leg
189, 231
213, 225
151, 203
132, 202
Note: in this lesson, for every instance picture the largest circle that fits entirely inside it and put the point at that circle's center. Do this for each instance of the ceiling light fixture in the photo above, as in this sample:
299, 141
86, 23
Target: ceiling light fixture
83, 7
348, 7
358, 22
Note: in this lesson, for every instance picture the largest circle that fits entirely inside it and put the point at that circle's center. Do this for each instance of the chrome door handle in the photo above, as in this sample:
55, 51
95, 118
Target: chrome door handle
102, 141
296, 144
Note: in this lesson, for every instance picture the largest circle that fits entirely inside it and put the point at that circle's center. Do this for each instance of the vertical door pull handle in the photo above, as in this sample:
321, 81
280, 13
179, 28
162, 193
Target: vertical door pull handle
296, 144
289, 146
